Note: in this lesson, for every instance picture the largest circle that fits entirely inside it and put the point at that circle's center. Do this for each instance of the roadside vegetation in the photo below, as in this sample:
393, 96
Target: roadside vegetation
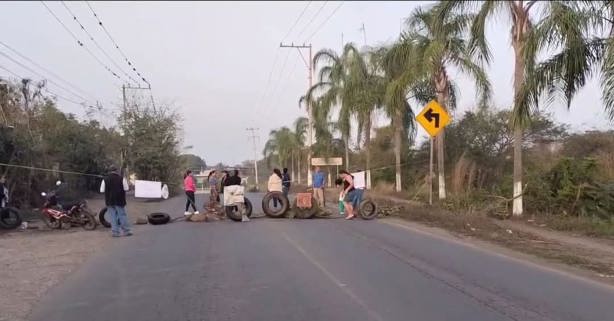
500, 161
42, 141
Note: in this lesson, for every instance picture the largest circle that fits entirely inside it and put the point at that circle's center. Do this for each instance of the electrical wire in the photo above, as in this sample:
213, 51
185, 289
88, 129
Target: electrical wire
312, 19
116, 45
296, 21
324, 22
40, 75
80, 43
47, 71
96, 42
82, 104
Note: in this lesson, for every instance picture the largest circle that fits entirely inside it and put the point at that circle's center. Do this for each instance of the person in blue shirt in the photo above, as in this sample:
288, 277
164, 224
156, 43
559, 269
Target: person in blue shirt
318, 181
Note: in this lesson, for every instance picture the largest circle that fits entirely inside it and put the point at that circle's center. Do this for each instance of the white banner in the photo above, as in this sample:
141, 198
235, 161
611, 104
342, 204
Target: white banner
359, 180
147, 189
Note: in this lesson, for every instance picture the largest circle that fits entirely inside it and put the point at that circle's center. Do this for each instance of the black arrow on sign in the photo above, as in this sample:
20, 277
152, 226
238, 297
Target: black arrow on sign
429, 115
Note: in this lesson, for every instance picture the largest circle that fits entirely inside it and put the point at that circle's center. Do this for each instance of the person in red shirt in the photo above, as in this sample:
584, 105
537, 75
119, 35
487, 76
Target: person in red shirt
189, 185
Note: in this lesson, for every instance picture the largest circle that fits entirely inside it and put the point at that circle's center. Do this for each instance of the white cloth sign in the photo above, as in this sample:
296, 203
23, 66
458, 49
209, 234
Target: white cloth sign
234, 194
359, 180
147, 189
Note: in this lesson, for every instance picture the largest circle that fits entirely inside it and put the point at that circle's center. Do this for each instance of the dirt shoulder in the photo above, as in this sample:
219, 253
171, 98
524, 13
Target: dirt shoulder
36, 259
589, 256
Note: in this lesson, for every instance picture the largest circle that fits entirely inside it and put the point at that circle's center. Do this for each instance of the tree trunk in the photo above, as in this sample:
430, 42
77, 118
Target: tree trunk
441, 86
292, 165
398, 130
520, 29
368, 141
298, 163
347, 152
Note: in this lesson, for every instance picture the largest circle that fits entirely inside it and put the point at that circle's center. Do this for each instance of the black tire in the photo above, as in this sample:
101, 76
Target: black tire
305, 213
367, 209
9, 218
233, 212
88, 220
103, 221
158, 218
281, 198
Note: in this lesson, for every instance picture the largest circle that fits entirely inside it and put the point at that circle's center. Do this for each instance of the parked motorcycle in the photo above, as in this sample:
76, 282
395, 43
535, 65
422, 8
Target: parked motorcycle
65, 215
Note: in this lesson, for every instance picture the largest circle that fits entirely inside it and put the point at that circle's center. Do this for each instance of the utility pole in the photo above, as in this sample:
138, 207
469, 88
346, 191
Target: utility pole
254, 137
309, 66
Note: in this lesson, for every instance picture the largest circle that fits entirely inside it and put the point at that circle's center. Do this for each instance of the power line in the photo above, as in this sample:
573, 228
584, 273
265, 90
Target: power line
324, 22
47, 70
116, 45
312, 19
296, 21
47, 90
42, 76
80, 43
96, 42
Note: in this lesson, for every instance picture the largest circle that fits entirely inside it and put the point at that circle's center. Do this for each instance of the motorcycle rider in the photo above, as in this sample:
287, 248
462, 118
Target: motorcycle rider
114, 187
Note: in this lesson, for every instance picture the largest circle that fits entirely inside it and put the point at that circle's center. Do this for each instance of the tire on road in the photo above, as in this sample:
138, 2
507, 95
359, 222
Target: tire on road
89, 221
233, 213
275, 213
103, 221
158, 218
367, 209
305, 213
9, 218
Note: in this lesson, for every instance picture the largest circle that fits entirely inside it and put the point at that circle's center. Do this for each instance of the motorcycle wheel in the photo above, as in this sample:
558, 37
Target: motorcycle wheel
51, 222
9, 218
87, 220
367, 209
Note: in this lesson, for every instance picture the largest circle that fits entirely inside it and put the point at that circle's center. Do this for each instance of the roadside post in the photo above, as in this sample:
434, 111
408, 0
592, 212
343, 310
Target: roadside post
433, 119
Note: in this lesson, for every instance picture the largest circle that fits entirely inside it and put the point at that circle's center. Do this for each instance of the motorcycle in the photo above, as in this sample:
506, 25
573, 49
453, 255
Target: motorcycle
58, 216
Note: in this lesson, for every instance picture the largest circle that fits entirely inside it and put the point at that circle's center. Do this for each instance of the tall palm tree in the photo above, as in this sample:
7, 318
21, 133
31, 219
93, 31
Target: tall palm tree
343, 82
561, 24
437, 38
279, 147
300, 131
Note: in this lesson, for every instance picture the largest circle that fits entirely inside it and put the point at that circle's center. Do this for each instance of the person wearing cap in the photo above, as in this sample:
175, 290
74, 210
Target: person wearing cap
114, 187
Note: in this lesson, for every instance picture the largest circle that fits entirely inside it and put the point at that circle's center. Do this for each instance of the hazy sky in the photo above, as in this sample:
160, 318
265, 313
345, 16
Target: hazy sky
212, 60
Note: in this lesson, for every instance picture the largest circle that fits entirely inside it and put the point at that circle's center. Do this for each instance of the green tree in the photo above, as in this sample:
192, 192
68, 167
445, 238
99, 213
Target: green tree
436, 39
561, 25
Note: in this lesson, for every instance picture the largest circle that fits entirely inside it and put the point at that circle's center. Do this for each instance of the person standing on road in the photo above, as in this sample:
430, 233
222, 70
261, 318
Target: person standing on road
4, 192
189, 185
214, 196
348, 193
285, 182
221, 189
114, 187
318, 181
275, 184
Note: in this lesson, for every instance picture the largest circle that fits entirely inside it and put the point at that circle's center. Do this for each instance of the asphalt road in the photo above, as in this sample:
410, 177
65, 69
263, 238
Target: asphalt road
326, 269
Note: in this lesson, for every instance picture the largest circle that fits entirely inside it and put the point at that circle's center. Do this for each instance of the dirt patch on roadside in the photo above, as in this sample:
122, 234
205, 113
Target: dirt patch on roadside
34, 260
570, 251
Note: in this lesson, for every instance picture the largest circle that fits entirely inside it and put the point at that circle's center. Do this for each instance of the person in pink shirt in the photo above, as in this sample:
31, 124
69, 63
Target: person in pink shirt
189, 185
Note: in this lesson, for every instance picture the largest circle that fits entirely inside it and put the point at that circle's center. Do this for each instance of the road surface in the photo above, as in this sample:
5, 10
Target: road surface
326, 269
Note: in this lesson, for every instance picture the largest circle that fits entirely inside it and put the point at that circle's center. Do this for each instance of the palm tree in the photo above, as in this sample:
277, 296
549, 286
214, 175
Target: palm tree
344, 82
563, 25
437, 40
280, 146
300, 131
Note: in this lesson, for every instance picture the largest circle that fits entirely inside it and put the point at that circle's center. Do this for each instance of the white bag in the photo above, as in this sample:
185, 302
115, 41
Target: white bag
234, 194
